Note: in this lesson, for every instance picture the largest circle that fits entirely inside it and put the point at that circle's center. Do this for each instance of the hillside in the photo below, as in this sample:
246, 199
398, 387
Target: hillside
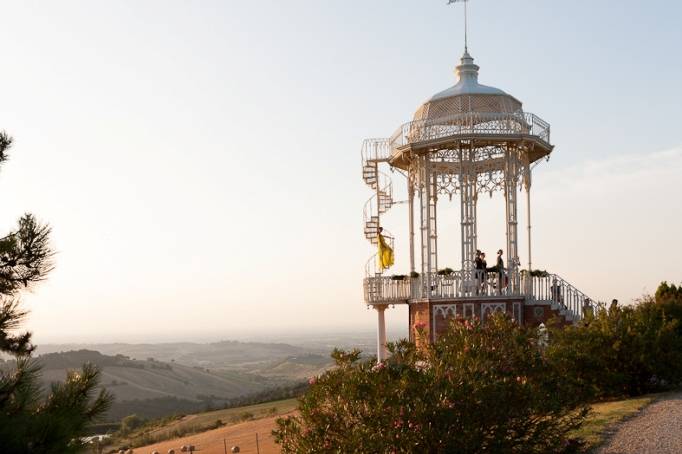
167, 430
230, 356
152, 388
211, 432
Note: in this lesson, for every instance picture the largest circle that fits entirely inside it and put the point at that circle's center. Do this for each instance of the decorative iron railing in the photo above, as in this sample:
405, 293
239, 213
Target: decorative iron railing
550, 289
485, 123
380, 289
374, 150
386, 290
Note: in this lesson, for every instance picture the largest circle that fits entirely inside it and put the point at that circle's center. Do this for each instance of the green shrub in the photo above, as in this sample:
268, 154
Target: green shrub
479, 388
246, 416
130, 423
621, 350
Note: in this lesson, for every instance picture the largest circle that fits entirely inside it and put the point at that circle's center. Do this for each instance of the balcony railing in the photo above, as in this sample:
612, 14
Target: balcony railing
380, 289
484, 123
553, 288
550, 289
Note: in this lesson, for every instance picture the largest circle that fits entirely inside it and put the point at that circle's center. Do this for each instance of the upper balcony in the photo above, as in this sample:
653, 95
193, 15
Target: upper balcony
484, 126
549, 288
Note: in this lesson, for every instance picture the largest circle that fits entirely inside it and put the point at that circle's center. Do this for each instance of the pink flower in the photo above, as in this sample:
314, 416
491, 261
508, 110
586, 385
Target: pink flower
312, 380
378, 367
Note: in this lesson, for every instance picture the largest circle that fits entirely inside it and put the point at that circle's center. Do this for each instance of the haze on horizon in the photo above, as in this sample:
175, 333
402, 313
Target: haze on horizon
199, 162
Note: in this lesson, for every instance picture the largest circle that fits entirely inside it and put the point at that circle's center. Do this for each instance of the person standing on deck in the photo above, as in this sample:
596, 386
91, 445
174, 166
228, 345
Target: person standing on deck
480, 266
499, 269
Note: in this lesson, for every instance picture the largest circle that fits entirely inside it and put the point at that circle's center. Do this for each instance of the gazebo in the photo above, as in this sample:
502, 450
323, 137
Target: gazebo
465, 141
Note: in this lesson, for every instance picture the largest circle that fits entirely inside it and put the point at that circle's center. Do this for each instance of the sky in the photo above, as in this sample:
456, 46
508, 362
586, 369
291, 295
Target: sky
199, 162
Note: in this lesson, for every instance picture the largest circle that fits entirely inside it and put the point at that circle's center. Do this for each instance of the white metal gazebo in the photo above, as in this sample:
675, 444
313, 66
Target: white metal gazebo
464, 141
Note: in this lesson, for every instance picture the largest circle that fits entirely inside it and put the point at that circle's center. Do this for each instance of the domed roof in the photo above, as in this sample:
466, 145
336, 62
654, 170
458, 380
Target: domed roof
467, 96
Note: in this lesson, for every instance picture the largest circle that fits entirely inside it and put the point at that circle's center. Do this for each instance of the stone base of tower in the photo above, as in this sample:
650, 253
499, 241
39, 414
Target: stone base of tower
430, 318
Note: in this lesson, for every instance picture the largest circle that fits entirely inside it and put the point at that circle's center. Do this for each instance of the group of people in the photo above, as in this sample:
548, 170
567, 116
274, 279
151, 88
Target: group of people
481, 269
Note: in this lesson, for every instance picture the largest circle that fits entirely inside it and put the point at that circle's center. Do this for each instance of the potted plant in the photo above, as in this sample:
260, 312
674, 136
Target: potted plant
446, 272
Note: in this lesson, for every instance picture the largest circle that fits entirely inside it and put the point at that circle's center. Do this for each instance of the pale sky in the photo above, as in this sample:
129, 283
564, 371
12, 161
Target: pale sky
199, 162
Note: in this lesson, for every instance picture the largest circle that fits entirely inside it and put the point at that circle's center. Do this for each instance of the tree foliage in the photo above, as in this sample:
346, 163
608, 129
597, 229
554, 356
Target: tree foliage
479, 388
31, 420
25, 255
627, 350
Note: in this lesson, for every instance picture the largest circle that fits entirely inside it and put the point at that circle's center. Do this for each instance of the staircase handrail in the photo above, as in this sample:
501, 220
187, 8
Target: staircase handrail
553, 287
370, 209
375, 150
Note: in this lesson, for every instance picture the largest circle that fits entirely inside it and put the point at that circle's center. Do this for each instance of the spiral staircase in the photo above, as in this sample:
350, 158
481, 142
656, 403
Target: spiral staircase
374, 152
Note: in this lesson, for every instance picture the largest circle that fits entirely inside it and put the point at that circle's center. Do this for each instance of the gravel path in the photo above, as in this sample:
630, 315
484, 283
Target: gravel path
658, 429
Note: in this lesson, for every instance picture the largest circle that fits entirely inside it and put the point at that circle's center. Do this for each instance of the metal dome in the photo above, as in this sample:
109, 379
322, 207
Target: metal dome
467, 96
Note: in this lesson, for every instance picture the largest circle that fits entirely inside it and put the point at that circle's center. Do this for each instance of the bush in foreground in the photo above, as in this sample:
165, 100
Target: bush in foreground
620, 351
479, 388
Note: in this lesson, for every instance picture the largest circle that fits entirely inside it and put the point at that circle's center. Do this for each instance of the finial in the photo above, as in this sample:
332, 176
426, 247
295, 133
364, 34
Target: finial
467, 70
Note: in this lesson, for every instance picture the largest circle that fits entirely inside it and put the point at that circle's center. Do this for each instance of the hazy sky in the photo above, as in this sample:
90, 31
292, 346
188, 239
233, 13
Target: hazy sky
199, 161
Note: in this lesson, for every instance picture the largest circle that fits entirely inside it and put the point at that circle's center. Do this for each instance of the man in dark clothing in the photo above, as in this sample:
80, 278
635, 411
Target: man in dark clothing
499, 269
479, 270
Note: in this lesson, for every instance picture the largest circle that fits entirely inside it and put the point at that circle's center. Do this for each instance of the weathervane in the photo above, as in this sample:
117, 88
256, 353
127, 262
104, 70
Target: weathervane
466, 41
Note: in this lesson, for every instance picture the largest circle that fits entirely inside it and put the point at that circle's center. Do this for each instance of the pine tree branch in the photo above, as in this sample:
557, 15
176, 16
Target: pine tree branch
10, 319
5, 144
25, 255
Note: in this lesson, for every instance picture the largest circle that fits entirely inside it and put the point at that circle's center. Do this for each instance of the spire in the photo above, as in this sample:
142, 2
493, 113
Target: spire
467, 71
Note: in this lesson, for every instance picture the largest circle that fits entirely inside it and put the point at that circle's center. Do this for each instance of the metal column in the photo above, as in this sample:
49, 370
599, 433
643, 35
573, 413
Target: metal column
468, 199
510, 193
429, 237
410, 201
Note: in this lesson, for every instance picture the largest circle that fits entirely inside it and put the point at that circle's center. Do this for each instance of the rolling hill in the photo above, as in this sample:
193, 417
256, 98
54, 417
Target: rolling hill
151, 388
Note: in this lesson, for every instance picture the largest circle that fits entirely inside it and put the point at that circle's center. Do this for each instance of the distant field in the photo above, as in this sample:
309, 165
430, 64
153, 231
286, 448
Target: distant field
221, 440
230, 419
233, 414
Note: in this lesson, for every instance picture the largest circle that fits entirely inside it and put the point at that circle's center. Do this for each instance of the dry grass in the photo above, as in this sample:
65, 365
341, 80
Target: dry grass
220, 441
222, 420
606, 415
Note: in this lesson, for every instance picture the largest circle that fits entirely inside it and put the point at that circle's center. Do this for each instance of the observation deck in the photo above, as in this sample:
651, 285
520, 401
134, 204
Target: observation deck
549, 289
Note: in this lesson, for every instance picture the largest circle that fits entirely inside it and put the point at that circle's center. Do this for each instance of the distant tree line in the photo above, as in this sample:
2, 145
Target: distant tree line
162, 407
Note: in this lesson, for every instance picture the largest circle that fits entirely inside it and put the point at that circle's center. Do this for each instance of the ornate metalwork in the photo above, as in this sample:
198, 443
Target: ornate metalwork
471, 124
489, 182
447, 184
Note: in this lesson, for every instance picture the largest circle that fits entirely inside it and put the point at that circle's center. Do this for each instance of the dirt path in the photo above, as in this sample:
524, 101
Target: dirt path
658, 429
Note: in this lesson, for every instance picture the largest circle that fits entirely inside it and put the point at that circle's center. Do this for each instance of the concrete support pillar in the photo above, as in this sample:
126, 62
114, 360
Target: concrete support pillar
381, 332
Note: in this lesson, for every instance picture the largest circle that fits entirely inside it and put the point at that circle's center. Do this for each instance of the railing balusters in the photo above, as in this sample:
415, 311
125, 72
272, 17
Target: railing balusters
550, 288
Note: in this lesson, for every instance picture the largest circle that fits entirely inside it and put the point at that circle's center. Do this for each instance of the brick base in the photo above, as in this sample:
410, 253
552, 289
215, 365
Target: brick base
428, 319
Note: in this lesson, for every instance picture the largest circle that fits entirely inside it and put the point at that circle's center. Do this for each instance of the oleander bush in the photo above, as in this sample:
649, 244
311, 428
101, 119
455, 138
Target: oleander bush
479, 388
628, 350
